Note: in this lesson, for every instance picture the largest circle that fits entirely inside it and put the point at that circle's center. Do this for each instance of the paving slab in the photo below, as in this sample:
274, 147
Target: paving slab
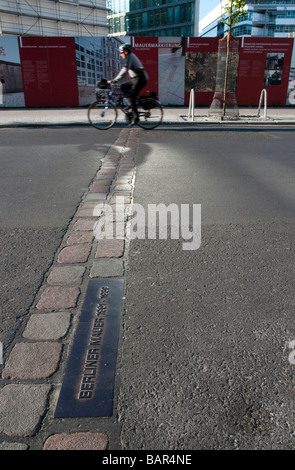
47, 326
99, 187
13, 446
96, 197
107, 268
32, 361
85, 213
74, 254
80, 237
123, 187
85, 224
77, 441
110, 248
66, 275
58, 298
21, 408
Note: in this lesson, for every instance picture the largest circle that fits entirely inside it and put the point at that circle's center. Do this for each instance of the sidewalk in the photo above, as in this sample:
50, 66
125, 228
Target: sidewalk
78, 116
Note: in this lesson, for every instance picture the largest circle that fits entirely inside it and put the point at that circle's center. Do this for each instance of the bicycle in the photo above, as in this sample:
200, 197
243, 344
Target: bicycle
103, 113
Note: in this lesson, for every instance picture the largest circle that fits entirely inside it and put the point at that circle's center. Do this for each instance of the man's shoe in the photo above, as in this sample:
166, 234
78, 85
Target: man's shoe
133, 122
129, 117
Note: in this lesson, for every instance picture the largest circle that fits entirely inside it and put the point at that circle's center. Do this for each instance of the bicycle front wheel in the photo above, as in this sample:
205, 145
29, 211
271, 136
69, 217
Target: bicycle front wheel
102, 116
150, 113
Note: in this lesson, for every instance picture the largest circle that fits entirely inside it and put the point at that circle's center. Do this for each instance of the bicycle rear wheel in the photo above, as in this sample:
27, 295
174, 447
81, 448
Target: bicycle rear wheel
102, 116
150, 113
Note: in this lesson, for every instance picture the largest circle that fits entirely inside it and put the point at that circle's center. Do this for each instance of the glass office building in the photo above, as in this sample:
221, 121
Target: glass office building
53, 18
154, 17
263, 19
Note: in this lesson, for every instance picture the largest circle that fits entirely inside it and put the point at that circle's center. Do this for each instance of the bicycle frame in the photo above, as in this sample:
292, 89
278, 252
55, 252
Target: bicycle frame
109, 101
110, 94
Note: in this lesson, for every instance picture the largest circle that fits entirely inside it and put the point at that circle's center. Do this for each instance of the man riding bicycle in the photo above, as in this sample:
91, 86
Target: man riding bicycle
138, 75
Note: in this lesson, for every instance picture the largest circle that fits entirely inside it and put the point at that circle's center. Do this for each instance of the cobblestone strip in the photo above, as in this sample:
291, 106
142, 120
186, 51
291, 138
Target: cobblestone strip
33, 372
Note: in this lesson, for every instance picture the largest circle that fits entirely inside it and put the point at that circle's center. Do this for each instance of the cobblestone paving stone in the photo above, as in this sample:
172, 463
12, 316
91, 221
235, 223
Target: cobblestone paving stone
66, 275
110, 248
75, 254
32, 361
58, 297
52, 326
21, 408
77, 441
38, 359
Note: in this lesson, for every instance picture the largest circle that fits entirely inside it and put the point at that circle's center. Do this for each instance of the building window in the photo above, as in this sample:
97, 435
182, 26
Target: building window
242, 31
159, 17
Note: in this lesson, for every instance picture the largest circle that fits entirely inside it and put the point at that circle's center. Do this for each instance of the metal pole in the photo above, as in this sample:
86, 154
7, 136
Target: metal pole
191, 109
263, 94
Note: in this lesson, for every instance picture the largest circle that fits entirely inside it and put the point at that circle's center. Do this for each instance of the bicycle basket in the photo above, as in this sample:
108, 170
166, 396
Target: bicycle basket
102, 84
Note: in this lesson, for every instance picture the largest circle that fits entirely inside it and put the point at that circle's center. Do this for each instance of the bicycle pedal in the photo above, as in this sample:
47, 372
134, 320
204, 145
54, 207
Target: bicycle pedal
129, 117
128, 120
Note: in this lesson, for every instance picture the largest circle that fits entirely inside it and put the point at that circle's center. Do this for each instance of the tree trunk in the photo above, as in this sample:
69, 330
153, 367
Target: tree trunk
227, 57
226, 71
224, 103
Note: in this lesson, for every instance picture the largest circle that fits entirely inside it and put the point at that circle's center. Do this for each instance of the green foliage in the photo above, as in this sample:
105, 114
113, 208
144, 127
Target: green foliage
232, 10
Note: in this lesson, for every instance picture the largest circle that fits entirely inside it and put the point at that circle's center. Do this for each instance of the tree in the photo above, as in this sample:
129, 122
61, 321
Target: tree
230, 13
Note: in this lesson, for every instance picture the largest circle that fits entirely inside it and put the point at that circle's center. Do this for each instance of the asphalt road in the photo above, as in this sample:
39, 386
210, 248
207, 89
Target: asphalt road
205, 358
44, 173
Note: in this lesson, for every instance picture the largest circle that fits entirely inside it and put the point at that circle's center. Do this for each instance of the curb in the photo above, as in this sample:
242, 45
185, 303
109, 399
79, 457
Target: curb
33, 371
238, 123
165, 122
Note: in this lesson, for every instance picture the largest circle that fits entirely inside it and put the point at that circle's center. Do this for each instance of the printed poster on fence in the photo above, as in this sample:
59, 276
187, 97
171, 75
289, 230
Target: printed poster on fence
200, 69
49, 71
63, 71
11, 81
264, 64
291, 85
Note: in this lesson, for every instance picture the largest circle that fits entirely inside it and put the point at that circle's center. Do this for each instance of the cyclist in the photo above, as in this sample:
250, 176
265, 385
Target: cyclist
138, 75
